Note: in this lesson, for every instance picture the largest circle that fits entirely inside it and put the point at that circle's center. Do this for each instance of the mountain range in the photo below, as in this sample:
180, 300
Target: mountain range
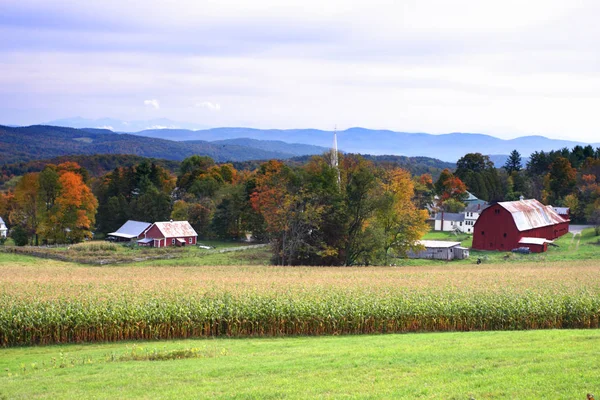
448, 147
39, 142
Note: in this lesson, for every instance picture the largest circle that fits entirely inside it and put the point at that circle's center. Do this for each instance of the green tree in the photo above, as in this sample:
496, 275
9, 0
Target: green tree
513, 163
19, 235
562, 179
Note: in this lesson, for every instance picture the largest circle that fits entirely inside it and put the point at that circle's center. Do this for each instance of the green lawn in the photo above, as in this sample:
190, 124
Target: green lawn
569, 248
478, 365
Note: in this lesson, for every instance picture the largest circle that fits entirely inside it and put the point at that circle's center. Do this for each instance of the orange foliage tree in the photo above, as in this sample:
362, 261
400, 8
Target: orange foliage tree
399, 218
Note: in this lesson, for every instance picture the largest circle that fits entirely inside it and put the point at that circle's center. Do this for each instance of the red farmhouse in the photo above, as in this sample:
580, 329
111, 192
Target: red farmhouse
172, 233
524, 223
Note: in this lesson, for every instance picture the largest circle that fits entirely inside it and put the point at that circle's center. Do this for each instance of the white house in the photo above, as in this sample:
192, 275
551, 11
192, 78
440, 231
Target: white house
449, 222
463, 221
3, 229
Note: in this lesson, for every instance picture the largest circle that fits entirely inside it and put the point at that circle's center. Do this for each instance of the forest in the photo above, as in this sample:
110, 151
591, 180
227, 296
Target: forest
359, 212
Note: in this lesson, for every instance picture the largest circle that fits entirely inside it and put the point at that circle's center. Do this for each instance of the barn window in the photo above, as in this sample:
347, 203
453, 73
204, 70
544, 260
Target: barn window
482, 233
190, 240
172, 241
497, 211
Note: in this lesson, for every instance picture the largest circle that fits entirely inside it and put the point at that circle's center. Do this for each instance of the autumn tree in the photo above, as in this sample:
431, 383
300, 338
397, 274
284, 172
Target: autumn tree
449, 187
400, 220
73, 215
25, 212
289, 215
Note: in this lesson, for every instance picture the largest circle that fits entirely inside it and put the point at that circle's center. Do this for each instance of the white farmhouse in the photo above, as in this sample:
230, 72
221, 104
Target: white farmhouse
3, 229
463, 221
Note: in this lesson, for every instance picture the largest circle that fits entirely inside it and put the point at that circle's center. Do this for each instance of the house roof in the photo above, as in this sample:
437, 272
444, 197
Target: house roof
450, 217
131, 229
438, 244
476, 206
145, 240
2, 221
471, 197
170, 229
531, 214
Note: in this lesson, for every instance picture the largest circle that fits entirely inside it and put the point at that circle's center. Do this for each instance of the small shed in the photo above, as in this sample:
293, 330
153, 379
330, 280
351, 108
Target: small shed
535, 245
129, 231
440, 250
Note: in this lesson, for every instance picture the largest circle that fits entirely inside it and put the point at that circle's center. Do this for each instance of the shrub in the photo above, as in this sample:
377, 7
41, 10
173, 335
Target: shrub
19, 235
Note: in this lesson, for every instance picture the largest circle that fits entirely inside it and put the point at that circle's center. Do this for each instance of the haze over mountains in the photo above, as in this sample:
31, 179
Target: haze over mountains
241, 144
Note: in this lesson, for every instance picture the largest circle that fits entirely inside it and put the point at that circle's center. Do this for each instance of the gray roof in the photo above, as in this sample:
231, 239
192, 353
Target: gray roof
131, 229
1, 221
438, 244
476, 206
450, 217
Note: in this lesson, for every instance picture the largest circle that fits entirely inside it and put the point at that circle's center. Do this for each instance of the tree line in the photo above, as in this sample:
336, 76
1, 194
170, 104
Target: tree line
359, 212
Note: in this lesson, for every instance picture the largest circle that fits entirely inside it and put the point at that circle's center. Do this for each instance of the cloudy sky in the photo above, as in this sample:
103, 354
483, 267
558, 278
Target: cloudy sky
506, 68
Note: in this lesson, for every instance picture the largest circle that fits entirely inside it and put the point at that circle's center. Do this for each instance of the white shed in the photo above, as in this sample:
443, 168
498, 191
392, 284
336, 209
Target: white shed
440, 250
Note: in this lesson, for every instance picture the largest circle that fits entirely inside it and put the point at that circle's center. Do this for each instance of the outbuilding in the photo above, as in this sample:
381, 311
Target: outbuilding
169, 233
130, 230
511, 224
440, 250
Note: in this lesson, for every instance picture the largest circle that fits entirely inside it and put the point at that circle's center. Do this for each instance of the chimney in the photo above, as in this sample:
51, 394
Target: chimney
521, 198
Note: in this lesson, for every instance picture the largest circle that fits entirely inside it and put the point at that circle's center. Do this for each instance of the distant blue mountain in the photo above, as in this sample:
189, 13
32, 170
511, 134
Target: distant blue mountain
447, 147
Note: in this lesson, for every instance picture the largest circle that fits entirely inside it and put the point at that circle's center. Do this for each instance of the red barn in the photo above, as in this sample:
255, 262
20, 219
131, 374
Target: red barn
171, 233
525, 223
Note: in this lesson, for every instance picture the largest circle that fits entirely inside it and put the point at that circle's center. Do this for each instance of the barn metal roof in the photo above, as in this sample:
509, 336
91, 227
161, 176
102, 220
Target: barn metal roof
531, 214
438, 244
171, 229
531, 240
131, 229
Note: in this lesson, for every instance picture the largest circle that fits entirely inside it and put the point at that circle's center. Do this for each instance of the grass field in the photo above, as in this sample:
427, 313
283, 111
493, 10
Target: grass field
547, 364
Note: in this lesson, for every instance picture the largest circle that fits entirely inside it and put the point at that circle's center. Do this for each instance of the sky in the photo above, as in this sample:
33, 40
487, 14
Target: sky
506, 68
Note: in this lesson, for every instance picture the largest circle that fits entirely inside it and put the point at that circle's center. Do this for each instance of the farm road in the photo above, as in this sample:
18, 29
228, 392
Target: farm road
576, 229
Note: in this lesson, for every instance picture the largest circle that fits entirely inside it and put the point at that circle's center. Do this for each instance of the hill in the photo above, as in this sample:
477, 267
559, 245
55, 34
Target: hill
97, 164
43, 142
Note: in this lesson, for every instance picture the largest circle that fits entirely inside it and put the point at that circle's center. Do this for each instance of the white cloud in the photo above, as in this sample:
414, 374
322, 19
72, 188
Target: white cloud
154, 103
160, 127
110, 128
215, 107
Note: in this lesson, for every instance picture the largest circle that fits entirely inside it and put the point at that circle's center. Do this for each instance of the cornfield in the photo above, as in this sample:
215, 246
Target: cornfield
58, 304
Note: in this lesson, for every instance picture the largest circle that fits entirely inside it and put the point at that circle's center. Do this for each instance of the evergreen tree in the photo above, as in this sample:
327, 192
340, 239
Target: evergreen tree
513, 163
